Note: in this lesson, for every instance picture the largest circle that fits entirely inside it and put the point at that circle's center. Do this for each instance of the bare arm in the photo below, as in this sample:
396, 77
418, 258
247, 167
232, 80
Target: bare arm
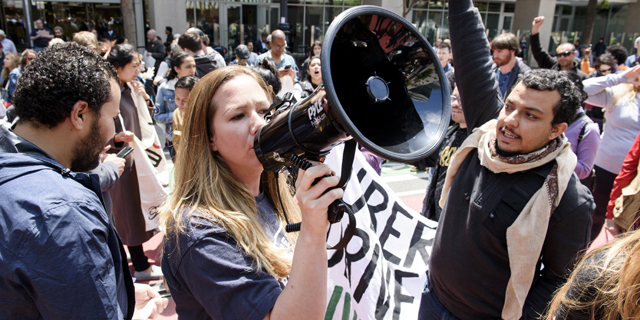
305, 296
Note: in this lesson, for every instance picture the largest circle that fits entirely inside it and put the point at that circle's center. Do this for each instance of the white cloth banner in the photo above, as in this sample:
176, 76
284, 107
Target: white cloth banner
382, 272
149, 61
151, 165
152, 192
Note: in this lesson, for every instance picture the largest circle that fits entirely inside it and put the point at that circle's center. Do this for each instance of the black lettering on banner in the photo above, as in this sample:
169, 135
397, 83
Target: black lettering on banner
358, 205
418, 244
399, 297
382, 306
360, 254
153, 212
335, 258
374, 186
154, 157
367, 275
389, 230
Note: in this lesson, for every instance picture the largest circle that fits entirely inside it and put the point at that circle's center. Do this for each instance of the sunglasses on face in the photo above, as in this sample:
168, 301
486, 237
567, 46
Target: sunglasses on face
603, 70
564, 54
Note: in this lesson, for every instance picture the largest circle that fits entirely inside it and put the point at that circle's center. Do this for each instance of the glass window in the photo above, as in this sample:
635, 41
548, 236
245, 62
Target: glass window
434, 25
566, 10
330, 14
420, 4
71, 17
313, 29
482, 6
274, 19
314, 2
295, 2
509, 7
190, 14
295, 18
420, 20
334, 2
233, 26
14, 28
506, 23
494, 6
208, 20
103, 13
436, 4
249, 27
352, 3
579, 19
492, 24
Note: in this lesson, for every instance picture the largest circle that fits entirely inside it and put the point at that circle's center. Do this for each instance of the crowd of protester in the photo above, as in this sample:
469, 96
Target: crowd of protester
536, 163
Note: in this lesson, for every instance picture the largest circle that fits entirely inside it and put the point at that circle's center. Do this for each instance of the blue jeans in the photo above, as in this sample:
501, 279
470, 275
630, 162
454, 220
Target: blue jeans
431, 308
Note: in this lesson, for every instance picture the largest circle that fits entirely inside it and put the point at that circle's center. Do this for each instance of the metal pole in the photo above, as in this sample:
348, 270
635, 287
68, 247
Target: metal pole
26, 5
284, 26
139, 22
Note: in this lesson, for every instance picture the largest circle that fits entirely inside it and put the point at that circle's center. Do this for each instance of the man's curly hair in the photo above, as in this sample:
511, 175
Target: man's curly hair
59, 77
570, 95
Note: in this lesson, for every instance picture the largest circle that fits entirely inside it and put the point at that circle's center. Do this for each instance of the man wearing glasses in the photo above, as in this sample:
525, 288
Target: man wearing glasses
285, 64
565, 53
456, 134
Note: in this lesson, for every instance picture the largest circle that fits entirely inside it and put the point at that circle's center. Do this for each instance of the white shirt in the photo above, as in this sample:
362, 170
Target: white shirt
8, 46
623, 119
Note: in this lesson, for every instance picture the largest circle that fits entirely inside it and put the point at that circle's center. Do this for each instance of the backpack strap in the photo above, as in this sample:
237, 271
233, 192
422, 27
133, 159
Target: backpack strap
584, 128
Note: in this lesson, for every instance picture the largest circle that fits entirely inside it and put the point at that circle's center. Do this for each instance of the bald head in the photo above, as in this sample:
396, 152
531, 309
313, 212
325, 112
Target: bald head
278, 34
278, 42
566, 47
151, 35
565, 53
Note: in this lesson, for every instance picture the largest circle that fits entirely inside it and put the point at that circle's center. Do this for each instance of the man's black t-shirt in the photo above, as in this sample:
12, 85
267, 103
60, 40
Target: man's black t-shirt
449, 147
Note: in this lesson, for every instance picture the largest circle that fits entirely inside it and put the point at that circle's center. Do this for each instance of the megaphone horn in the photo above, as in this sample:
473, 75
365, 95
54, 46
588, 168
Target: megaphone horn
384, 87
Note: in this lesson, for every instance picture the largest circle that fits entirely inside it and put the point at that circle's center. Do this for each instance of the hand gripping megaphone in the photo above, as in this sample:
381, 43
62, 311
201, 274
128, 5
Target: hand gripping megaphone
384, 88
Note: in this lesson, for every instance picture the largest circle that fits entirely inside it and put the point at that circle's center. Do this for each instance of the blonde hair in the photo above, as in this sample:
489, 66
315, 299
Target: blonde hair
205, 186
15, 58
55, 41
613, 282
624, 90
87, 39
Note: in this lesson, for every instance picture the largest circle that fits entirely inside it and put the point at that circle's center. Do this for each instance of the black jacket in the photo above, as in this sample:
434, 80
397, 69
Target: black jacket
114, 35
546, 61
205, 63
257, 47
469, 267
156, 49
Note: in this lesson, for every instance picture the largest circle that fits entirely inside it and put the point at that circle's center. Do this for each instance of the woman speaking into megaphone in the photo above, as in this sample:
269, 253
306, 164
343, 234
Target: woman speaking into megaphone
226, 255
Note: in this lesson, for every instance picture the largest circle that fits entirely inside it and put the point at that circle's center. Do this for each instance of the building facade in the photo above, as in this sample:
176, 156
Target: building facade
231, 22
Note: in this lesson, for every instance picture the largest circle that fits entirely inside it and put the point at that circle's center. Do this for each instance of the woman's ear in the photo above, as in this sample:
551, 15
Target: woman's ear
212, 144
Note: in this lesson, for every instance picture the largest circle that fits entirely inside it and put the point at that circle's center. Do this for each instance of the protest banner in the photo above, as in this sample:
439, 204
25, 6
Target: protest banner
381, 273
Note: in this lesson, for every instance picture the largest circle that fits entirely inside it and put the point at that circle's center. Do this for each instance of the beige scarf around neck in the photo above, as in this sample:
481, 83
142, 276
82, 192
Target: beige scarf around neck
525, 237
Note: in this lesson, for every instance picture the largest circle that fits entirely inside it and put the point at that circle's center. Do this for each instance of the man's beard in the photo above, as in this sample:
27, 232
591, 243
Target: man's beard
86, 155
504, 154
501, 62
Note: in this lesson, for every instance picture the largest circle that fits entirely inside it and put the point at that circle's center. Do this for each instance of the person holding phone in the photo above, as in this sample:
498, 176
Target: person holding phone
225, 253
280, 58
127, 210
